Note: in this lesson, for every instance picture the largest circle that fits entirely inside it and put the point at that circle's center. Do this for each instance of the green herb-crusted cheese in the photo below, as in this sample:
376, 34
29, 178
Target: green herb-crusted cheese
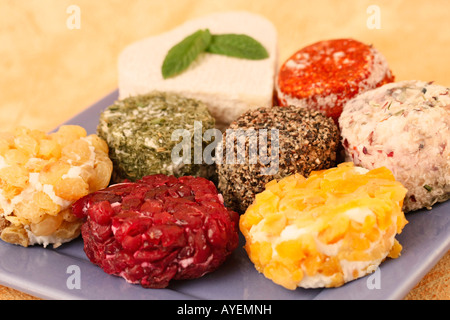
139, 130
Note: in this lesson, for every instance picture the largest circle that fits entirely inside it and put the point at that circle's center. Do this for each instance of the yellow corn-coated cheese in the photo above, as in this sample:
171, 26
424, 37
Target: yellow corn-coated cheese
335, 226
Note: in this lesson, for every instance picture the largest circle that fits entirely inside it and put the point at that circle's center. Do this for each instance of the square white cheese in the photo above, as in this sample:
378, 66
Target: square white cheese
229, 86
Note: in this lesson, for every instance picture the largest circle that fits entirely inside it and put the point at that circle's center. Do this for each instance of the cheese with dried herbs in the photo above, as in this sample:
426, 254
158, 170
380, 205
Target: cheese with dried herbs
139, 131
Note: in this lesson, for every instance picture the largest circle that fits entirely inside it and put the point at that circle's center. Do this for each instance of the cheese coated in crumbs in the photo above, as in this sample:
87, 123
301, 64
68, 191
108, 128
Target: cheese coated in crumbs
41, 175
333, 227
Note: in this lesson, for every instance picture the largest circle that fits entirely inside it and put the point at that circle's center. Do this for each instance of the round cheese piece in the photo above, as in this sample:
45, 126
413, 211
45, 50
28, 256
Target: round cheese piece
143, 133
41, 175
405, 127
333, 227
272, 143
326, 74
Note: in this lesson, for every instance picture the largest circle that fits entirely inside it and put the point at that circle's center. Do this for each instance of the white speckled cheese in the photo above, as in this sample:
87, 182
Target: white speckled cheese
229, 86
404, 126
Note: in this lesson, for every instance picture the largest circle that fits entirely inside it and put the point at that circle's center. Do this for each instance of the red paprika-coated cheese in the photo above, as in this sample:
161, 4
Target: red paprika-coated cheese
326, 74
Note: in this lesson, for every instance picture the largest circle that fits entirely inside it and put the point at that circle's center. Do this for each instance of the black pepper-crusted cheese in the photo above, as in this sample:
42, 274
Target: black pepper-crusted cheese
308, 141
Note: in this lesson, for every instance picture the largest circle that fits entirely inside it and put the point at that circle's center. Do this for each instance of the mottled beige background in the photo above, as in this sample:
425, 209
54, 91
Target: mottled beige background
50, 73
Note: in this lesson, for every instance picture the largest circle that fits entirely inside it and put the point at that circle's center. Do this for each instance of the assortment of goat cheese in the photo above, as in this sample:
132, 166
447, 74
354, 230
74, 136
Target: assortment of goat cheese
313, 220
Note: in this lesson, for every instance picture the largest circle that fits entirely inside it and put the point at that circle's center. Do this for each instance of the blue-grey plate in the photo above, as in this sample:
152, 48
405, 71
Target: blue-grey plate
66, 273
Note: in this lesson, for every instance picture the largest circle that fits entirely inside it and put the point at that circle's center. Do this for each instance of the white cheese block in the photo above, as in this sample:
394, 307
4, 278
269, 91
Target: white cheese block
229, 86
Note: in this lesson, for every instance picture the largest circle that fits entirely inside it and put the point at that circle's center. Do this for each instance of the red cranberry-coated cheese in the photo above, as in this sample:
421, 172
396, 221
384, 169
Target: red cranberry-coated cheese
158, 229
325, 75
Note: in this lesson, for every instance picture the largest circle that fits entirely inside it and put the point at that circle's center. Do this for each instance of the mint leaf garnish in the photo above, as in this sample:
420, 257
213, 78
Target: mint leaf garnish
237, 45
185, 52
